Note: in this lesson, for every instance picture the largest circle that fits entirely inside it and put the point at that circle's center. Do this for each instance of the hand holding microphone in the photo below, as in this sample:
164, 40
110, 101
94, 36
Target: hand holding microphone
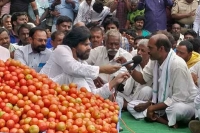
135, 60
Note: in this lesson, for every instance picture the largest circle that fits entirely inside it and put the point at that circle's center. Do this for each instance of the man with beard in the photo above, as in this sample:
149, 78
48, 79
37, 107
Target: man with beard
35, 54
107, 54
23, 33
67, 64
96, 36
176, 30
139, 24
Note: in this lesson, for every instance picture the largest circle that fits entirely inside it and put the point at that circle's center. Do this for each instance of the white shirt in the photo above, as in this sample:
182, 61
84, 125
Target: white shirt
4, 53
181, 38
99, 57
181, 83
196, 24
62, 61
196, 70
83, 11
34, 60
100, 16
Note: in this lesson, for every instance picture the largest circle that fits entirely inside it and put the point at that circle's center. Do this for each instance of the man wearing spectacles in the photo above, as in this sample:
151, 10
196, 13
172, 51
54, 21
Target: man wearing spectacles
35, 54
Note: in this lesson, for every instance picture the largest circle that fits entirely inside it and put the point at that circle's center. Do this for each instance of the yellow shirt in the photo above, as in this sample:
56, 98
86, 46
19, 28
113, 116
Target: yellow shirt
194, 59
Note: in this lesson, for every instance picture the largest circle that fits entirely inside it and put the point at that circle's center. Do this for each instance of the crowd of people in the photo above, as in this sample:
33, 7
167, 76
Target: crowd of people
86, 41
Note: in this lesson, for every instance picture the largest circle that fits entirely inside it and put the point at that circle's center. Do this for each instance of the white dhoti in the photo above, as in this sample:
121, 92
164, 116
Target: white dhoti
144, 94
176, 112
197, 106
180, 112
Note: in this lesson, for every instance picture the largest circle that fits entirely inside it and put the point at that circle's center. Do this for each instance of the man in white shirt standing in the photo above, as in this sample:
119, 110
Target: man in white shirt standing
84, 11
173, 88
103, 55
4, 53
35, 54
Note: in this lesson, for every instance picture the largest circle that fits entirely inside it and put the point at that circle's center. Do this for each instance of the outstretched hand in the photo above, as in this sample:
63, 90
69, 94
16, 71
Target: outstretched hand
118, 79
109, 69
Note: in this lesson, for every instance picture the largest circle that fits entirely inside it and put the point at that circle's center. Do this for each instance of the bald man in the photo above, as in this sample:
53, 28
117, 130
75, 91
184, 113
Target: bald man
173, 88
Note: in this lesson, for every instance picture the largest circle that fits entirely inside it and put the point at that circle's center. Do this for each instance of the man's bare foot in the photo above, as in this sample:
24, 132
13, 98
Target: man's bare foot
174, 126
142, 106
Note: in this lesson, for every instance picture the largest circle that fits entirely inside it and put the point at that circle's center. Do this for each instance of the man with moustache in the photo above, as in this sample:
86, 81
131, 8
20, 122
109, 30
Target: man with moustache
67, 64
103, 55
96, 36
139, 25
173, 88
35, 54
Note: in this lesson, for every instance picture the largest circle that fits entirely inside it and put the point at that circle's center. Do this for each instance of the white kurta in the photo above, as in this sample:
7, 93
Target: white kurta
62, 61
4, 53
196, 24
196, 70
99, 57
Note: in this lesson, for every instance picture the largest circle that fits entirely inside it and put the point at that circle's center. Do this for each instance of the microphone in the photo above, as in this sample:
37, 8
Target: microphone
136, 60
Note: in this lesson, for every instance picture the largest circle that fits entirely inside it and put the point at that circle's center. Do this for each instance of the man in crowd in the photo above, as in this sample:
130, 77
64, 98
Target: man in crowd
23, 33
22, 6
107, 54
75, 49
57, 38
139, 25
35, 54
64, 8
155, 14
63, 24
173, 88
183, 11
113, 23
18, 18
185, 51
97, 35
5, 41
190, 34
6, 22
134, 91
84, 11
176, 30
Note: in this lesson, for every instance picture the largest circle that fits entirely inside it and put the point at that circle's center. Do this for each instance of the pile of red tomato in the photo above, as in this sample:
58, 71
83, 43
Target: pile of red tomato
32, 103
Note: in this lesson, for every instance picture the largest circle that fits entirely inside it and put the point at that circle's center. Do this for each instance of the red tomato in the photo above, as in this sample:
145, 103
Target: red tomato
31, 114
2, 123
15, 118
42, 126
23, 90
10, 124
5, 116
91, 128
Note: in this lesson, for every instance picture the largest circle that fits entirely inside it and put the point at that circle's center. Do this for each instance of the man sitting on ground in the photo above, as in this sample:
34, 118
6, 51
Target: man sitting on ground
173, 88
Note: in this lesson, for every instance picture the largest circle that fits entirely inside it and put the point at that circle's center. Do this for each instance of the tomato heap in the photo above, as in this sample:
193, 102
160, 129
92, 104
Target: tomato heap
32, 103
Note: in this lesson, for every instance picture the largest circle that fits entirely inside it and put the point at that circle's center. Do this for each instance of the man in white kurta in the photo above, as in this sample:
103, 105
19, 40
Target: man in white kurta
100, 56
67, 64
173, 88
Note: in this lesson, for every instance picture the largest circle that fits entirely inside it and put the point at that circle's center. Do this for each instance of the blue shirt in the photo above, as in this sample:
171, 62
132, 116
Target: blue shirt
66, 9
155, 14
48, 44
